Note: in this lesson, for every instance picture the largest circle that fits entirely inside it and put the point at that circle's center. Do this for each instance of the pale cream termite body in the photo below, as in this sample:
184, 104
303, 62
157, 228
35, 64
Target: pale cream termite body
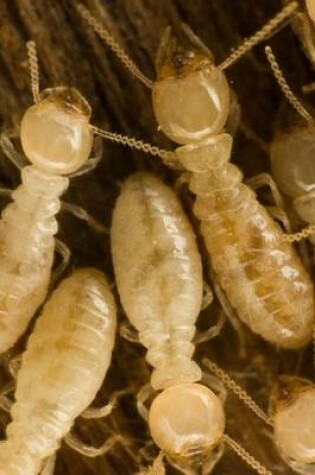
158, 273
57, 140
63, 367
262, 276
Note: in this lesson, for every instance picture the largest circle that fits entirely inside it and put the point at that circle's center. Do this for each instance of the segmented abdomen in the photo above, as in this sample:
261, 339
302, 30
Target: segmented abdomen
66, 360
262, 276
158, 272
27, 227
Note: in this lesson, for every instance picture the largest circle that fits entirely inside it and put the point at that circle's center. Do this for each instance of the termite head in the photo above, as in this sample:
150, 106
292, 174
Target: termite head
292, 160
55, 132
191, 95
187, 422
293, 416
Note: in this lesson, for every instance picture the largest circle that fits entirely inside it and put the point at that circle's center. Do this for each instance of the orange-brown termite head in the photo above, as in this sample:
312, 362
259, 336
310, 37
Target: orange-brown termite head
191, 95
55, 132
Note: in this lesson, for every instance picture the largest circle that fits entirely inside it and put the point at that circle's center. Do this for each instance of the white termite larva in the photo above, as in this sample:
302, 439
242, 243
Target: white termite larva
261, 274
158, 273
57, 139
62, 369
161, 291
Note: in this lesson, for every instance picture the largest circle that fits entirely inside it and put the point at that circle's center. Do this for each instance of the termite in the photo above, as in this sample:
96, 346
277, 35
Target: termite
57, 140
260, 272
62, 368
292, 416
159, 280
292, 157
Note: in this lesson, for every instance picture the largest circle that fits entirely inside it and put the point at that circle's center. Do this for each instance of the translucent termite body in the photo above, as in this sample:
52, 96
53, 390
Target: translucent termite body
57, 140
158, 273
262, 276
161, 286
63, 367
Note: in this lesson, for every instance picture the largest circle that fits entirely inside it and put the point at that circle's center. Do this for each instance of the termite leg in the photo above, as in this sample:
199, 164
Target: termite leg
212, 332
9, 150
128, 332
143, 395
83, 215
105, 411
64, 252
215, 385
207, 297
92, 162
14, 366
264, 179
49, 466
89, 451
230, 313
5, 401
182, 180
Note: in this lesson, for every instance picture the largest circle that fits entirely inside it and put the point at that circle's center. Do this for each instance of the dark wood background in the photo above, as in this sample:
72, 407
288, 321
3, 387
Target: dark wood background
71, 54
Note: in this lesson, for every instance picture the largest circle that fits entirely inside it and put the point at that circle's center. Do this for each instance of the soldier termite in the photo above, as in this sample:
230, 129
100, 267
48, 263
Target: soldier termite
66, 360
292, 158
260, 272
292, 417
158, 274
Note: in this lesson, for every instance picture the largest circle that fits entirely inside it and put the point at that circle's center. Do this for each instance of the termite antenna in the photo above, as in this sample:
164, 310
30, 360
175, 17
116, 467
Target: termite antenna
287, 91
133, 143
113, 45
34, 69
305, 233
260, 35
244, 455
236, 390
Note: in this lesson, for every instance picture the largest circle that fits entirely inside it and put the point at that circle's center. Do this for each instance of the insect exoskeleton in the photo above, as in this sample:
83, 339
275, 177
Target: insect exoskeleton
262, 276
292, 165
159, 275
293, 417
187, 421
159, 279
291, 155
56, 139
63, 367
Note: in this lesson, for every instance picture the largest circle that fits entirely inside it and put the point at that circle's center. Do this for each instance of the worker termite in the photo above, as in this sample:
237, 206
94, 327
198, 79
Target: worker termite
66, 360
292, 157
260, 272
292, 417
27, 227
158, 274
